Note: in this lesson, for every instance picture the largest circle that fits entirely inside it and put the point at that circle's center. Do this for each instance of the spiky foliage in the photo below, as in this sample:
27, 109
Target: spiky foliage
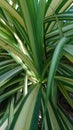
36, 61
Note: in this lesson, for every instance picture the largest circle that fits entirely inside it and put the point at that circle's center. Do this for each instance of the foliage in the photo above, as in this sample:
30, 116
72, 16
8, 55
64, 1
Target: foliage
36, 61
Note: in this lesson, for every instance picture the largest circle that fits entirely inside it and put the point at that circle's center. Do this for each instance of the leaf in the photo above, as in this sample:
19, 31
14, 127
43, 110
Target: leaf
33, 18
65, 80
28, 109
60, 16
65, 94
9, 93
53, 116
69, 52
54, 63
5, 45
8, 75
11, 111
4, 119
65, 119
12, 12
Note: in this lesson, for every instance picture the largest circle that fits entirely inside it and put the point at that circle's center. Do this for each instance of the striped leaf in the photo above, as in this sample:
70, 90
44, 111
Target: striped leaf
29, 108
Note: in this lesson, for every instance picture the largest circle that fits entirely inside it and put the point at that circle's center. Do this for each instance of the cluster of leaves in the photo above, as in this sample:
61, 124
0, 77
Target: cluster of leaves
36, 61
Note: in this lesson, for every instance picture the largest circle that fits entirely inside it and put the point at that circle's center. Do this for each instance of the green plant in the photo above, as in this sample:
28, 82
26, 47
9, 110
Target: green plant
36, 61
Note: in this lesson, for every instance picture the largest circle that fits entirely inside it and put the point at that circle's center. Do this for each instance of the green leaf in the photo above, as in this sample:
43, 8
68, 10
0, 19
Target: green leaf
11, 111
12, 12
33, 18
54, 64
65, 80
4, 119
27, 111
9, 93
69, 52
62, 16
5, 45
53, 116
65, 94
8, 75
65, 119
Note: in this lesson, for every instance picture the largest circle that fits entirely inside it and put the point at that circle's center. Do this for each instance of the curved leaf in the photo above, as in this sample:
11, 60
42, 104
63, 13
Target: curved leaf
27, 111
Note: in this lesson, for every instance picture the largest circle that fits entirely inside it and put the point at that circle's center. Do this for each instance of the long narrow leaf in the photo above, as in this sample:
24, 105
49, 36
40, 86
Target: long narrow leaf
55, 61
25, 112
